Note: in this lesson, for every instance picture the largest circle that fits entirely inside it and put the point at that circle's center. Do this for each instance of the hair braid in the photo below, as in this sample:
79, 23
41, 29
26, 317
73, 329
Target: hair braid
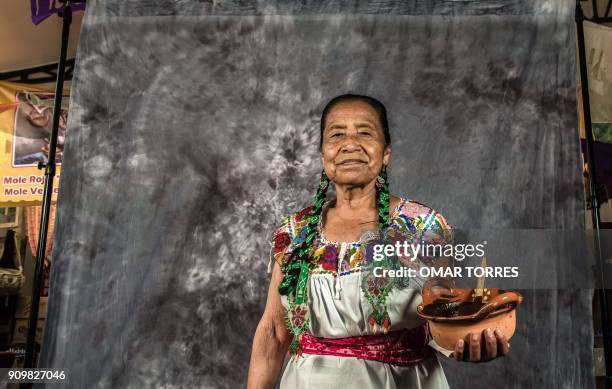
382, 197
306, 238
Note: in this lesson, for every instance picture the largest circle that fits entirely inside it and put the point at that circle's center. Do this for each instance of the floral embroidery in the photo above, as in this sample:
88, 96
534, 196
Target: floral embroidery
333, 272
412, 221
356, 256
376, 290
417, 223
298, 316
300, 237
344, 266
330, 258
319, 252
297, 321
405, 225
301, 214
281, 241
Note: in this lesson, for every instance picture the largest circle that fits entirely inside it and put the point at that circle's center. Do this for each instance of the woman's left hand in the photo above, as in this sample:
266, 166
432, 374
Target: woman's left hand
481, 347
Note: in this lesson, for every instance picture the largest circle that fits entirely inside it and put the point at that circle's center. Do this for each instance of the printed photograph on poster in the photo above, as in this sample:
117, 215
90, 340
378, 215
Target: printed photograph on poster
32, 129
598, 41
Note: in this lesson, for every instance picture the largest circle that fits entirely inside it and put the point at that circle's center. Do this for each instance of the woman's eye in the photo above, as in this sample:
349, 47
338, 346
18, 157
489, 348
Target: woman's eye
365, 133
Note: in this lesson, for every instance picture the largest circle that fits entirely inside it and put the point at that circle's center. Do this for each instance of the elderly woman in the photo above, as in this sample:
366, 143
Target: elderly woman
343, 325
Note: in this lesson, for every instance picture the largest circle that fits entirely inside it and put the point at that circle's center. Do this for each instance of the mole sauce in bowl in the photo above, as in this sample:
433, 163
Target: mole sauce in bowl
451, 320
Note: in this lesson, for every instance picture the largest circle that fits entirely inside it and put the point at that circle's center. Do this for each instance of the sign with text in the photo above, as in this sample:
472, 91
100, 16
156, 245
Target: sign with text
25, 130
42, 9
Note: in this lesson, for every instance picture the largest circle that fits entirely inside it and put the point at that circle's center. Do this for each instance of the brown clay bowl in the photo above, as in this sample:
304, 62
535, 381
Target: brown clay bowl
455, 315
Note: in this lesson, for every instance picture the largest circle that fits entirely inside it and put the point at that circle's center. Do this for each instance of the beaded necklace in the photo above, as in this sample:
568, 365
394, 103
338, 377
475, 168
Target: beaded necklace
297, 316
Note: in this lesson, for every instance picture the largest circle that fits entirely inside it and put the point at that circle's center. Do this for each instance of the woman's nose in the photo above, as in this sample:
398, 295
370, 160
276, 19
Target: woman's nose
351, 142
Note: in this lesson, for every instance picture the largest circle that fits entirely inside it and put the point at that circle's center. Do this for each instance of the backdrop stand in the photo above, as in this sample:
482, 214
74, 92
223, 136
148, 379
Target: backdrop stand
29, 362
593, 200
50, 168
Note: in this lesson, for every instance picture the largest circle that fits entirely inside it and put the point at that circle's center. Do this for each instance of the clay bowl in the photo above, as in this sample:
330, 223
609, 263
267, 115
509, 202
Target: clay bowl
453, 316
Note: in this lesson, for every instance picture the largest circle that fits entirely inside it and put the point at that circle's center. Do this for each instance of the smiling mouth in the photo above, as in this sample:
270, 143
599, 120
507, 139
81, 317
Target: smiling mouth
350, 162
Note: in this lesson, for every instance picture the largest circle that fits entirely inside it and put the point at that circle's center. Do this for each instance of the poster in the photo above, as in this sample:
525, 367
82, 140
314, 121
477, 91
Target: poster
26, 113
598, 46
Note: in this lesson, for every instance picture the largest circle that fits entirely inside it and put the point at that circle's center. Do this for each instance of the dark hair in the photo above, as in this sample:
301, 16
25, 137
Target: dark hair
371, 101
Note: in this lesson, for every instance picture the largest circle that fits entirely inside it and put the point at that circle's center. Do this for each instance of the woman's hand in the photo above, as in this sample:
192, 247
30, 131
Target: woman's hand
481, 347
271, 341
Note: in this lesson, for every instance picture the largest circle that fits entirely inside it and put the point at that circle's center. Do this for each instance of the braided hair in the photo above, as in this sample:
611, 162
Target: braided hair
304, 246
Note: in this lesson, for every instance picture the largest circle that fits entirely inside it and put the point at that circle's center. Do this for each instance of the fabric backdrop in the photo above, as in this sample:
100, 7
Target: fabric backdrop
194, 130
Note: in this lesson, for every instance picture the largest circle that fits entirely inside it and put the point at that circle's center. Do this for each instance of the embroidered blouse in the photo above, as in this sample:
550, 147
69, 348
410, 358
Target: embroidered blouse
345, 299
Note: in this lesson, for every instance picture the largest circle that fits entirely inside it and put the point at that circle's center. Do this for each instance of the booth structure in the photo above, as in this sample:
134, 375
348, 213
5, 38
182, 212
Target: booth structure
35, 103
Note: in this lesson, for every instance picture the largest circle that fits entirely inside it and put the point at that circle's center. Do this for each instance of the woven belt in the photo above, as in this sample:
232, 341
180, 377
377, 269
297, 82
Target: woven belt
402, 347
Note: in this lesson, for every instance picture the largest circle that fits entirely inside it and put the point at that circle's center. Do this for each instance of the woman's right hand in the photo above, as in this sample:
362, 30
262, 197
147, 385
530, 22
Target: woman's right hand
271, 341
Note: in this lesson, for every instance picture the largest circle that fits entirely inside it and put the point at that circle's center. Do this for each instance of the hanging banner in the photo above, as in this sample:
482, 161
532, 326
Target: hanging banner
32, 217
25, 130
42, 9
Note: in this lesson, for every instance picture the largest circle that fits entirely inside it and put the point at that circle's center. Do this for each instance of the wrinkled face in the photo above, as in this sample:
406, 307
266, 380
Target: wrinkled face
353, 150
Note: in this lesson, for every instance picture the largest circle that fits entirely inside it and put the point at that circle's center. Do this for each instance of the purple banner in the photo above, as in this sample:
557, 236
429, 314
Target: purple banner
42, 9
603, 160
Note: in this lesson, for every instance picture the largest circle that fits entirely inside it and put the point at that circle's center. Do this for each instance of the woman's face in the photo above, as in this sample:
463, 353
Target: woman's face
353, 149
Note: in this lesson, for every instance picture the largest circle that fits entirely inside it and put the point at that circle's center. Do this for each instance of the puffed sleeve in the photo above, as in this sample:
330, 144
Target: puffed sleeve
428, 229
434, 230
279, 245
438, 231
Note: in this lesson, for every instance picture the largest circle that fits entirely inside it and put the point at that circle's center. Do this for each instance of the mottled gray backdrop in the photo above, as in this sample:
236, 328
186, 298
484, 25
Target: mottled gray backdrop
194, 129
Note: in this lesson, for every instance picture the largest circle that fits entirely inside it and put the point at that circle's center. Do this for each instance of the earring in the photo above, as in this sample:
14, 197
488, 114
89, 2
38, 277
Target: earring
324, 181
382, 177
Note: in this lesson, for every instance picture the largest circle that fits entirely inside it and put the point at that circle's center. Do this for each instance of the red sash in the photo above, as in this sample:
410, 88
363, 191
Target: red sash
402, 347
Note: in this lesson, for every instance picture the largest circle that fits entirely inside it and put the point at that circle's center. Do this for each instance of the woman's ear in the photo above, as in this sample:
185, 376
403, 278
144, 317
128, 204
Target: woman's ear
387, 155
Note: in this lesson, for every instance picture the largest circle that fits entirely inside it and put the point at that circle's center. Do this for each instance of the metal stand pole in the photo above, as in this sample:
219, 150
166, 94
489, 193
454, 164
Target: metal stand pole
603, 297
48, 190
